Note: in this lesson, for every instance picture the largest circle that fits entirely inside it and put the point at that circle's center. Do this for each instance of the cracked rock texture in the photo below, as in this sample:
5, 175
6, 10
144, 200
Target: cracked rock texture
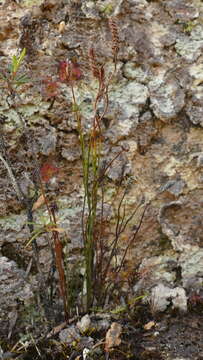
14, 288
155, 111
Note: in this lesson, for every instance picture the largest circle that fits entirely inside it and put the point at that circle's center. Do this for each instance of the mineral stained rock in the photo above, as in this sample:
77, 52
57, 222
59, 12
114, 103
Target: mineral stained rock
13, 287
162, 296
154, 120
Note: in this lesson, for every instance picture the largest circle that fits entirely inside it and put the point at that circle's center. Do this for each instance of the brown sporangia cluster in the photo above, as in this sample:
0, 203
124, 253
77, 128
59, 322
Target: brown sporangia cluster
94, 66
115, 37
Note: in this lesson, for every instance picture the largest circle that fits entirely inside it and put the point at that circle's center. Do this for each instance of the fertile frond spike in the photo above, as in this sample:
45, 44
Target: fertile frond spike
115, 37
93, 63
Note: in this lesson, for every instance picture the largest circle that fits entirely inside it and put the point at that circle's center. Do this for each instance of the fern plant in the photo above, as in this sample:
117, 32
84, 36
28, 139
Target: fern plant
100, 255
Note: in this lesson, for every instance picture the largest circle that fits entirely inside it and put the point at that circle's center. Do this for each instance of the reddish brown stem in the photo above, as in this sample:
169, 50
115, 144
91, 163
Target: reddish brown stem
58, 248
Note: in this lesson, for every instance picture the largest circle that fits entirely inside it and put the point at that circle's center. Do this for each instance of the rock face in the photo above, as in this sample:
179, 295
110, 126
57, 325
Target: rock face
155, 111
162, 295
13, 289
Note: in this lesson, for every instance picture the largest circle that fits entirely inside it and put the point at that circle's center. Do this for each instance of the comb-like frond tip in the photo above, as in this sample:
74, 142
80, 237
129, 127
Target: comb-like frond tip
93, 63
114, 33
102, 73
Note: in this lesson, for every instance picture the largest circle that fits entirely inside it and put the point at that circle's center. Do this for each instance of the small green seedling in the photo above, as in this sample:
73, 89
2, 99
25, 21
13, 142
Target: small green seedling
16, 62
10, 77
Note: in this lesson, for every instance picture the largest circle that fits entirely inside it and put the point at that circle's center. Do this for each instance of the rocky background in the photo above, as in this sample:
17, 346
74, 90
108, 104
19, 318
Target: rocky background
155, 111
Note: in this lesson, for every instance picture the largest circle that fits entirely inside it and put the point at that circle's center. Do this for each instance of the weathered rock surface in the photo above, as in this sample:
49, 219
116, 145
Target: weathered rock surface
155, 115
162, 296
14, 288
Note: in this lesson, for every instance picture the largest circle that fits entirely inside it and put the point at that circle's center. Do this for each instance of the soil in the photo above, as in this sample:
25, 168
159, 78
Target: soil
145, 336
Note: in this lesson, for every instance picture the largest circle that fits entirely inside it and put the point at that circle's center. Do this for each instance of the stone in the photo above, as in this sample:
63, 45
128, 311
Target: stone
84, 324
190, 48
167, 100
132, 71
162, 296
48, 144
192, 267
13, 287
70, 147
195, 113
174, 187
156, 269
70, 335
182, 10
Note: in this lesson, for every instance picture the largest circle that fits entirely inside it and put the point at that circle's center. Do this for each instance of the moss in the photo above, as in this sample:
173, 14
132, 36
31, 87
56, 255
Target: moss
32, 2
189, 26
108, 9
